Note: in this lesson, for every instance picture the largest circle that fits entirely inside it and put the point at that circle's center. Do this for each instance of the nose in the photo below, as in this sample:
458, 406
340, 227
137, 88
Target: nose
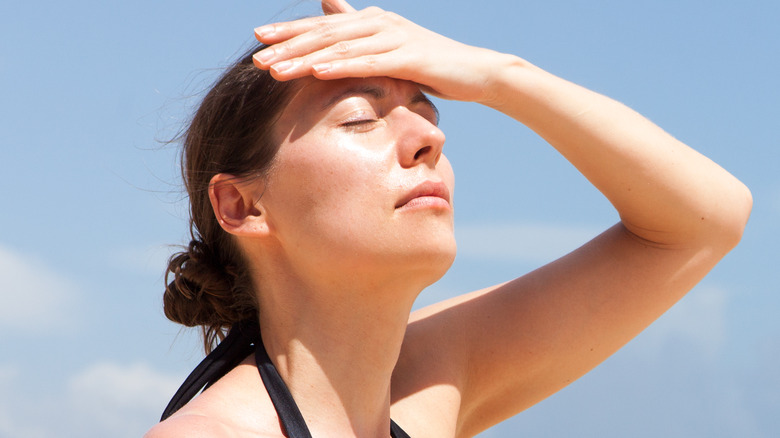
419, 141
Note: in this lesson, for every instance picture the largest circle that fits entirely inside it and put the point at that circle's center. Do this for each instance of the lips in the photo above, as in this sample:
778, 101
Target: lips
424, 190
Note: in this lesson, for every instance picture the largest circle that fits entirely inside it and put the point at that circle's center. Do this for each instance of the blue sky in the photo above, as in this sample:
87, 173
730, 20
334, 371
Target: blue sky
92, 201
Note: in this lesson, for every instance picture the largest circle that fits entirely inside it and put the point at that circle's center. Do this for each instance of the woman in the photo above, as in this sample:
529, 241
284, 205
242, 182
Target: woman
322, 205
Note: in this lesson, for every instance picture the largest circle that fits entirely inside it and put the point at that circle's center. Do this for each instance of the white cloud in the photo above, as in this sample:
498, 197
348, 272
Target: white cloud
34, 296
123, 386
104, 399
117, 397
537, 243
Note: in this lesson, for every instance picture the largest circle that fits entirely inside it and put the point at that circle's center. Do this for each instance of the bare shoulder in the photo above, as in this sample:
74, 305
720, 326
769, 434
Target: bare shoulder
231, 408
194, 424
190, 426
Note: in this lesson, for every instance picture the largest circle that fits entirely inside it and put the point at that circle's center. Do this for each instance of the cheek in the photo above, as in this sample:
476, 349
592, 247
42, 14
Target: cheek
340, 178
325, 189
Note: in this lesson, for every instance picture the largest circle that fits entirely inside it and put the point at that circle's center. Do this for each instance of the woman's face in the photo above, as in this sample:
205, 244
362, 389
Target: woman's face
360, 182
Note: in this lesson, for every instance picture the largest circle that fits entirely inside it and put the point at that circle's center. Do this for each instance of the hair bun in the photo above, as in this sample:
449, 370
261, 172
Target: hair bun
202, 291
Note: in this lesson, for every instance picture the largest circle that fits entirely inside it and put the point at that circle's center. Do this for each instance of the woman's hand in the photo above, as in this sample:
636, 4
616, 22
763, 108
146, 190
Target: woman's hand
372, 42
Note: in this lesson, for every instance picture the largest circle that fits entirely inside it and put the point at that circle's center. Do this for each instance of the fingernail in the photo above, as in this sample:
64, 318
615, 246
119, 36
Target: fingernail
281, 67
265, 31
264, 55
321, 68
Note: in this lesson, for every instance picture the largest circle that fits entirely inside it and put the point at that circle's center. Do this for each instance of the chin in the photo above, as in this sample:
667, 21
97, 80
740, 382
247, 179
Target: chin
432, 261
441, 268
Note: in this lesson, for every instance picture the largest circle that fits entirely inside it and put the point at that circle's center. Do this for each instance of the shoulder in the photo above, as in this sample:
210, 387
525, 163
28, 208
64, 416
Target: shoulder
231, 408
202, 426
190, 426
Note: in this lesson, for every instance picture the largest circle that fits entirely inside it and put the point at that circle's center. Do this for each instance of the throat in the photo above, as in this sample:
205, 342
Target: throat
337, 362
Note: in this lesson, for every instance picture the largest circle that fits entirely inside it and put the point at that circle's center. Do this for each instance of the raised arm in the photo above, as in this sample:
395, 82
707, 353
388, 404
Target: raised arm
507, 347
664, 191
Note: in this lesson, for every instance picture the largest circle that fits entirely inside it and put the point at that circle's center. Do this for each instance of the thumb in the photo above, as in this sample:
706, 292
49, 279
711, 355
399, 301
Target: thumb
336, 7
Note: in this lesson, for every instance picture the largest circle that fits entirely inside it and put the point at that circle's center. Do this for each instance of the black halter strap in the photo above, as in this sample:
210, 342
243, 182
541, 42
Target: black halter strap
289, 414
238, 344
396, 431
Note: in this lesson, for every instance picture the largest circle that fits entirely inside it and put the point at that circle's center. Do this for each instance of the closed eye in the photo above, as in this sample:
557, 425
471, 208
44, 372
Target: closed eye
358, 122
359, 125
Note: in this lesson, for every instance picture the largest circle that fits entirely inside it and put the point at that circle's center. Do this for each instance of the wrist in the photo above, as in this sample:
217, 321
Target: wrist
502, 79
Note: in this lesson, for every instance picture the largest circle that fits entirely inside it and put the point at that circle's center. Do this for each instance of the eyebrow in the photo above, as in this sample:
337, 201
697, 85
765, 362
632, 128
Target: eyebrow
420, 97
376, 93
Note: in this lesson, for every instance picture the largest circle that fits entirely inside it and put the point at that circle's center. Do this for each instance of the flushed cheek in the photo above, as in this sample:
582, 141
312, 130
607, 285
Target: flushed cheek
339, 184
348, 177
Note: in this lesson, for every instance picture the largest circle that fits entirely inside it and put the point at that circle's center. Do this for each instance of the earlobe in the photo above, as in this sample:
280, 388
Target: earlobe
236, 205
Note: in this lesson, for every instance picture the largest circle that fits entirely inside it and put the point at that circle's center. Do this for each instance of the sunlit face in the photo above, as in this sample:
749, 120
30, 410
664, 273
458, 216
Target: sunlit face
360, 184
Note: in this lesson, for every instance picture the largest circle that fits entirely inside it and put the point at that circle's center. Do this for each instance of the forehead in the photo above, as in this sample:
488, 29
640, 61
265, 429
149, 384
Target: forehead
317, 95
312, 97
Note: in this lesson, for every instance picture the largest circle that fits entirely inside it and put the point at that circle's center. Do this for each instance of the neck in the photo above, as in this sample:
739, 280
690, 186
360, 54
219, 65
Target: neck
336, 345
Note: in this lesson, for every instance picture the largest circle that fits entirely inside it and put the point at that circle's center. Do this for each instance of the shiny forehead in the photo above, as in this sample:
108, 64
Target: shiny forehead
313, 98
321, 95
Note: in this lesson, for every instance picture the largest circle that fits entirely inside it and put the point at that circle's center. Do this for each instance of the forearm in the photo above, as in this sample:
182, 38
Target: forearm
664, 191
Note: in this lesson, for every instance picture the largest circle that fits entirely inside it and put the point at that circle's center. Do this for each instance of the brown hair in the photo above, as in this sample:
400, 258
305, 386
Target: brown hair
231, 132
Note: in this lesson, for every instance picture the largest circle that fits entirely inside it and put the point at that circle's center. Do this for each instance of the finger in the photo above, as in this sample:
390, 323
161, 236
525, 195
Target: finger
276, 32
383, 64
336, 7
315, 40
343, 50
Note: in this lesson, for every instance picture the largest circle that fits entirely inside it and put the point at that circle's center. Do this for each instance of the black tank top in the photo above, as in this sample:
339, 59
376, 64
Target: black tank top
238, 344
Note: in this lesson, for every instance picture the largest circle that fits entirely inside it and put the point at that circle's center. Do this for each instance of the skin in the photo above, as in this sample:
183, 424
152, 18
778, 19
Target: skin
340, 265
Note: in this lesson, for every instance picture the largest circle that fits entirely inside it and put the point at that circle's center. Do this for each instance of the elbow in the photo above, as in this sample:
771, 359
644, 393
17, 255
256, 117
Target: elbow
735, 212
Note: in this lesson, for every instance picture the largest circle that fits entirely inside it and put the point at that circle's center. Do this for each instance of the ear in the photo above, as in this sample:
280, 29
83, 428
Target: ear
236, 205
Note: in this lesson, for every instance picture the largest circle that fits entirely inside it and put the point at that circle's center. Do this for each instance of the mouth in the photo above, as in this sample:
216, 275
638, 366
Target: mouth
429, 193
